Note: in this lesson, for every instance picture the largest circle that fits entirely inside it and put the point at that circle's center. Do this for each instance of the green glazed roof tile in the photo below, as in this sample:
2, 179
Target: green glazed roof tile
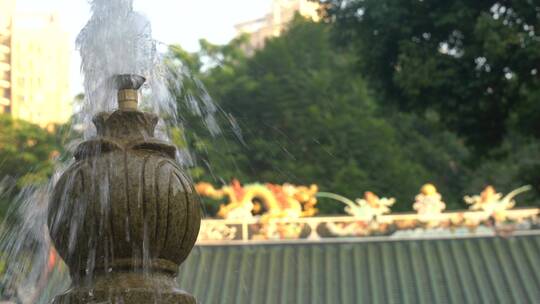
474, 270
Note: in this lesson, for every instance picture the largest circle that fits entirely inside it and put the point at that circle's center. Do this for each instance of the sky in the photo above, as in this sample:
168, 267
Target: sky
181, 22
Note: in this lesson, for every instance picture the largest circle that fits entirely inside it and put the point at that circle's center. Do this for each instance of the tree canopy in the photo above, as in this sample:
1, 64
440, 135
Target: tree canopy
474, 63
26, 151
27, 154
307, 116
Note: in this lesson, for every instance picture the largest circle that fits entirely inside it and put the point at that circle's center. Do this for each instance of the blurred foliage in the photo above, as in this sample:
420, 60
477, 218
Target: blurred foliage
27, 154
473, 62
26, 151
514, 164
306, 116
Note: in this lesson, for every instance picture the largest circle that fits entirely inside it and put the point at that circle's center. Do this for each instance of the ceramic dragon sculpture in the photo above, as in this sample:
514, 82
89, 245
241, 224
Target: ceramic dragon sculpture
272, 201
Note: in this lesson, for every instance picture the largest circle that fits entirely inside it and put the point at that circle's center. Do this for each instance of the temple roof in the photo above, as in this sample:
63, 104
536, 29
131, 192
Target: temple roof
453, 270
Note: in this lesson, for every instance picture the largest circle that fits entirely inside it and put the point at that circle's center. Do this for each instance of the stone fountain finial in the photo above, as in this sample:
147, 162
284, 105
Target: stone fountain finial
128, 95
124, 216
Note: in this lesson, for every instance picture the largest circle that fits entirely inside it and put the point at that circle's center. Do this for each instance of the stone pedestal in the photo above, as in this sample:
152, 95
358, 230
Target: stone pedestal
127, 288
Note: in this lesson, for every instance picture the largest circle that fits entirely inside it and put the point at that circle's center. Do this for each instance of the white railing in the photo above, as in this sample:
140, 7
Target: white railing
319, 228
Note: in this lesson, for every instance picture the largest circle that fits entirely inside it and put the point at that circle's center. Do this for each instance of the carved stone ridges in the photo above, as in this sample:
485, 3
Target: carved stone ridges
124, 209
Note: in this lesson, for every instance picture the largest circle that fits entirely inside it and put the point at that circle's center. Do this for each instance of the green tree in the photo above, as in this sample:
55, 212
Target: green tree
474, 62
516, 163
208, 132
27, 154
26, 151
307, 117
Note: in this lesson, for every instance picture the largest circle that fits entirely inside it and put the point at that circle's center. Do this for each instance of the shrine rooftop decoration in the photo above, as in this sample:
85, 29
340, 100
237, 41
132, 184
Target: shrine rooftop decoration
266, 213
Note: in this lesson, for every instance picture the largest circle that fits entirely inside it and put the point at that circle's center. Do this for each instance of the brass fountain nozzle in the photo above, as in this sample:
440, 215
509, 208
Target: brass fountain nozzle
128, 95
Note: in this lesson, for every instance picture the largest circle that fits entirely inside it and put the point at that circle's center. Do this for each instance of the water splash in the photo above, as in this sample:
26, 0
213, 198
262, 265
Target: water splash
29, 274
118, 40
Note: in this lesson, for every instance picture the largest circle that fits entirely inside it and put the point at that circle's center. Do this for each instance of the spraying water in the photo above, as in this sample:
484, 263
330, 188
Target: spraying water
116, 40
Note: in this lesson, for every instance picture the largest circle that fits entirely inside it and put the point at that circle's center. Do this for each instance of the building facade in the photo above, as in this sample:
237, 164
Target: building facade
7, 8
274, 23
34, 67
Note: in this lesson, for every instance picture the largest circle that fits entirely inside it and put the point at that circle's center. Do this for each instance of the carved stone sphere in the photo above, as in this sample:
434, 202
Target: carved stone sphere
124, 206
